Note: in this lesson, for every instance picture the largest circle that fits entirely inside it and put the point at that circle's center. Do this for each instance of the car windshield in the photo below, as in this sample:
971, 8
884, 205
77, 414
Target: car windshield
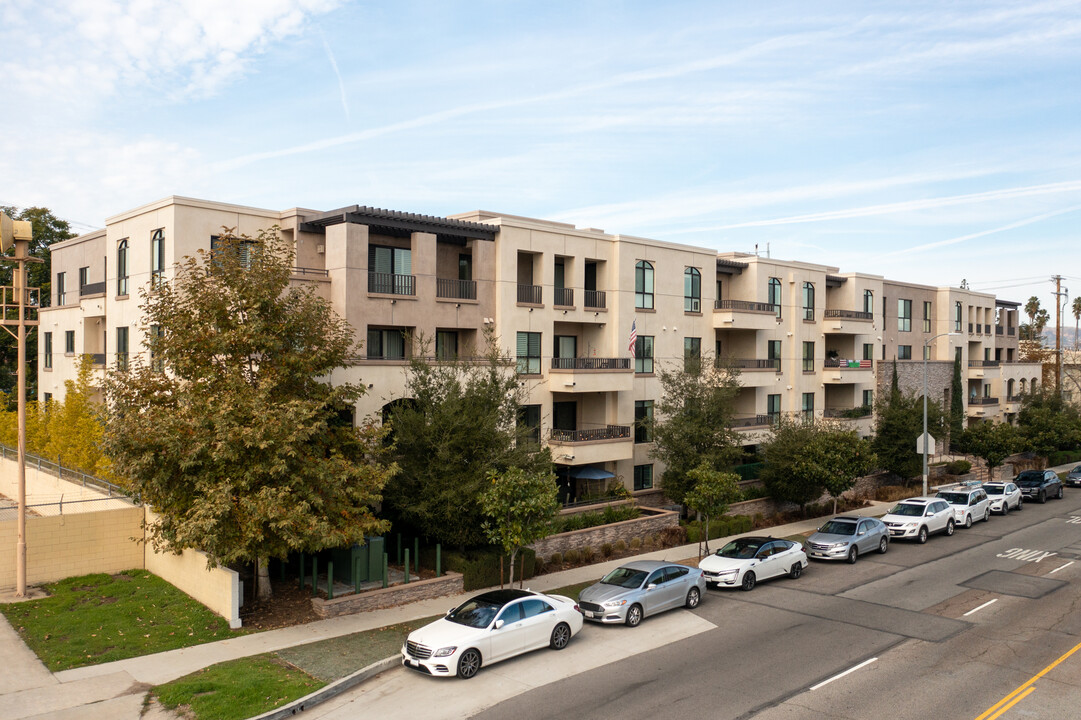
625, 577
954, 498
1030, 478
907, 509
741, 549
1077, 469
994, 489
838, 527
475, 613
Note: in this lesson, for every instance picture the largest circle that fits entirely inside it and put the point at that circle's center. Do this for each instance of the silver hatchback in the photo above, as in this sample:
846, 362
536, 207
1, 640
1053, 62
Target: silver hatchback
846, 538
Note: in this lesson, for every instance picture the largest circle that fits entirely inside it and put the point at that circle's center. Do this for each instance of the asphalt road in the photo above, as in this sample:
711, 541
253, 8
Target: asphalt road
950, 629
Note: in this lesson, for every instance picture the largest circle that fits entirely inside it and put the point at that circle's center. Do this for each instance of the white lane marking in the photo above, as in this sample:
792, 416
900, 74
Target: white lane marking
1026, 555
846, 672
1060, 567
981, 607
1074, 520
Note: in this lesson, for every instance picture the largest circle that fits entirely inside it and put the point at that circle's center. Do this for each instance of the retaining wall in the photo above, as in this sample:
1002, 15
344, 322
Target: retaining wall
448, 584
595, 537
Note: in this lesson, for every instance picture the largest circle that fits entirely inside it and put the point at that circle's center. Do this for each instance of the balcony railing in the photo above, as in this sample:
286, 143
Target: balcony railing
564, 297
318, 272
392, 284
529, 294
592, 363
849, 314
1013, 398
848, 364
847, 413
752, 421
982, 363
594, 299
92, 289
751, 363
983, 401
745, 305
457, 289
610, 432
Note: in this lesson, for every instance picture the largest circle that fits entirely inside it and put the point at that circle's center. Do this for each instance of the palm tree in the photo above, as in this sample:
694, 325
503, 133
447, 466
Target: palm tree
1032, 309
1076, 319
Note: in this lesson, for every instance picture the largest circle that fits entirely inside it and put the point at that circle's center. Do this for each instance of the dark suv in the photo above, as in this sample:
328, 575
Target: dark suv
1039, 485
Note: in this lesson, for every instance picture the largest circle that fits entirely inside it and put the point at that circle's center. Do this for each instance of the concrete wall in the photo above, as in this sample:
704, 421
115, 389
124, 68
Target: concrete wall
595, 537
449, 584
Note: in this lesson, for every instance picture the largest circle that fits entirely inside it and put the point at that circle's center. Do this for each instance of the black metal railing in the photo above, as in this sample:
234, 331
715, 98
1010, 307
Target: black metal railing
851, 413
849, 314
1013, 398
751, 421
530, 294
564, 297
593, 363
318, 272
751, 363
456, 289
609, 432
92, 289
594, 299
982, 363
983, 401
745, 305
392, 283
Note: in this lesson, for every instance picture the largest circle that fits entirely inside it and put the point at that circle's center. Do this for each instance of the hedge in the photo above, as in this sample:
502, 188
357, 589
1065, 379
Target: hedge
748, 471
958, 467
480, 568
582, 521
721, 527
1062, 457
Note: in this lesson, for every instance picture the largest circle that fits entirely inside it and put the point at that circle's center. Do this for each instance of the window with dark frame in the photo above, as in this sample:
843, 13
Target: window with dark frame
643, 354
643, 421
808, 301
643, 477
926, 316
386, 344
122, 348
808, 356
529, 353
157, 258
692, 353
47, 351
643, 285
904, 316
773, 294
692, 290
69, 342
529, 417
904, 352
122, 267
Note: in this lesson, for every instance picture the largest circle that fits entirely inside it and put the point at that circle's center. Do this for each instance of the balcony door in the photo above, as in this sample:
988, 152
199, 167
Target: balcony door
566, 346
565, 415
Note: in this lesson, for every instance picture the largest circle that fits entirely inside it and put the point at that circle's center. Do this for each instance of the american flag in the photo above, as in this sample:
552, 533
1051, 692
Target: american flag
634, 336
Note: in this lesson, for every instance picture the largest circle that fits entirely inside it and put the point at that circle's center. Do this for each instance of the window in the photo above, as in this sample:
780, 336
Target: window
156, 334
773, 353
465, 267
773, 408
122, 348
904, 352
84, 277
957, 317
157, 258
808, 357
868, 302
868, 351
926, 316
643, 477
904, 316
69, 342
868, 398
808, 408
446, 344
808, 301
529, 353
692, 353
643, 354
48, 398
386, 344
926, 352
643, 285
47, 352
529, 419
773, 296
692, 290
60, 288
643, 421
957, 354
122, 267
566, 346
390, 270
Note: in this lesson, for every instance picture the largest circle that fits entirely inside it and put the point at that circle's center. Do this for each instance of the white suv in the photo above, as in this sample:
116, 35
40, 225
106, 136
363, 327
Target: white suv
919, 517
970, 502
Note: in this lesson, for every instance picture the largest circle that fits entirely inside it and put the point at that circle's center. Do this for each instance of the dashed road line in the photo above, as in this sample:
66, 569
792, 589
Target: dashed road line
981, 607
1060, 567
838, 676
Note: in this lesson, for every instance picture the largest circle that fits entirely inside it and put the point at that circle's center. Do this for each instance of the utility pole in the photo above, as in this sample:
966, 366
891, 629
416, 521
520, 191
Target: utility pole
1059, 292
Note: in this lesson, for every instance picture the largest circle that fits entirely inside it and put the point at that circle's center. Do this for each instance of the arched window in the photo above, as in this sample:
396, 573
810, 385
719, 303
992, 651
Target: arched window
692, 290
808, 301
868, 302
122, 267
957, 317
643, 285
774, 296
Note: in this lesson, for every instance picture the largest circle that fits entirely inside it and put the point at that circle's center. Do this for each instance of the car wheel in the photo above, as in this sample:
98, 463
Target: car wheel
968, 521
796, 570
748, 581
950, 526
1020, 504
853, 554
1059, 496
921, 538
561, 635
1005, 507
1042, 497
694, 596
883, 546
634, 615
468, 664
987, 513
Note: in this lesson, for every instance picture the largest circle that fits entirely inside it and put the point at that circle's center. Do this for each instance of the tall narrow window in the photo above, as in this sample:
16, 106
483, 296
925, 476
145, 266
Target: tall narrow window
529, 353
808, 357
692, 353
868, 302
692, 290
529, 418
69, 342
84, 278
47, 351
957, 317
643, 421
904, 315
808, 407
926, 352
61, 288
122, 267
868, 351
643, 354
773, 296
808, 301
773, 354
122, 348
643, 477
157, 258
643, 285
446, 344
156, 335
773, 408
926, 316
465, 268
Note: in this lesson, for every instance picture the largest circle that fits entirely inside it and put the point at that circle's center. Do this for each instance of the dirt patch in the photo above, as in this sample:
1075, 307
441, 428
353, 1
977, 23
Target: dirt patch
288, 606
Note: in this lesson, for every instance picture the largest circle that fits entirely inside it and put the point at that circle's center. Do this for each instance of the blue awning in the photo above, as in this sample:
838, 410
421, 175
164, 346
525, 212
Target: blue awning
587, 472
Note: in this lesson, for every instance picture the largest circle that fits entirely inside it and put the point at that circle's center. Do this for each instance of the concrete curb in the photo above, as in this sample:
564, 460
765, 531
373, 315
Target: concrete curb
330, 691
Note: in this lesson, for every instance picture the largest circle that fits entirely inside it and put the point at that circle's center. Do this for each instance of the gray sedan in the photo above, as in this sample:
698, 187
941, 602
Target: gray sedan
1073, 478
641, 588
846, 538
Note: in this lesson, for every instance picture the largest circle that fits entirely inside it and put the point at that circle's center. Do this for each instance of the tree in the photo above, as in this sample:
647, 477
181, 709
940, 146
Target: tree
519, 506
898, 426
994, 442
836, 458
1032, 309
231, 432
713, 491
1076, 308
1047, 424
693, 425
957, 404
458, 424
783, 455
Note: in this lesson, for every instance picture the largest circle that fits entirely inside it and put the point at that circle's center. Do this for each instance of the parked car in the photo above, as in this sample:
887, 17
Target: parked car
846, 538
639, 589
969, 503
491, 627
919, 517
744, 561
1039, 485
1073, 478
1003, 496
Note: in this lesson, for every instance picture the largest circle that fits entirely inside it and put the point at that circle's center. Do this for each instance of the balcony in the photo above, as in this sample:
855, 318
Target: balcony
985, 400
983, 363
456, 289
744, 314
751, 363
592, 445
848, 314
746, 306
563, 297
982, 369
594, 299
584, 375
392, 284
751, 421
529, 294
831, 363
847, 321
97, 360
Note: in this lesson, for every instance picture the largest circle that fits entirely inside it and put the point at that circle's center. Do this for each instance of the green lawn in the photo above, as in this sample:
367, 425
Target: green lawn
99, 618
237, 689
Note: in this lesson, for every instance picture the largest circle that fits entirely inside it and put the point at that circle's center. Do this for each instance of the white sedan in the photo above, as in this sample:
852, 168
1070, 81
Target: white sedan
491, 627
746, 560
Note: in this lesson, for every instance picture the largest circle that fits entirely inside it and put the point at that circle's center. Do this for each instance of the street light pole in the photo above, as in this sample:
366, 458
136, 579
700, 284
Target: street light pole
923, 438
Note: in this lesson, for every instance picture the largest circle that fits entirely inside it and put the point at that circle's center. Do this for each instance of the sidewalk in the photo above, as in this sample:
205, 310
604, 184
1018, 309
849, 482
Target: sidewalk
107, 690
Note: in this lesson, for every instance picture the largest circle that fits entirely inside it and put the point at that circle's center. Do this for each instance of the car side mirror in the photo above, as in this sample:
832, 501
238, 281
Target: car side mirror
651, 586
498, 624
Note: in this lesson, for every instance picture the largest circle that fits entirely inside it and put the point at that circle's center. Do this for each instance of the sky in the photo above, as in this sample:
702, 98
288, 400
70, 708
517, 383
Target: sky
929, 142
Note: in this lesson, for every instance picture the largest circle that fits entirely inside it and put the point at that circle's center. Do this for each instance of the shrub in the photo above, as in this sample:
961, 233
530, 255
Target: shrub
556, 559
673, 536
621, 546
571, 557
587, 554
539, 567
606, 549
958, 467
581, 521
480, 568
635, 543
892, 493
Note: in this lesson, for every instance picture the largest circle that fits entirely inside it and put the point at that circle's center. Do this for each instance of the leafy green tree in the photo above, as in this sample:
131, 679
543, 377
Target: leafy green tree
957, 404
458, 424
784, 455
1047, 424
713, 491
232, 433
693, 423
994, 442
837, 458
898, 426
519, 507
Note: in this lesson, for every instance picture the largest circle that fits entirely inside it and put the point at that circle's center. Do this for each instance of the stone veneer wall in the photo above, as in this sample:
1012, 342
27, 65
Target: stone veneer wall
595, 537
448, 584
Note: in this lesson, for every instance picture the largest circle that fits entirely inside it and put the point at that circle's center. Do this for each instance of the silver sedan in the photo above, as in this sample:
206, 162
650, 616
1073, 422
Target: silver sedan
846, 538
641, 588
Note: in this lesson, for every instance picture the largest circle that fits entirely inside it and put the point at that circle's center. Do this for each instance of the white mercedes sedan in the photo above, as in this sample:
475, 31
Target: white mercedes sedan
491, 627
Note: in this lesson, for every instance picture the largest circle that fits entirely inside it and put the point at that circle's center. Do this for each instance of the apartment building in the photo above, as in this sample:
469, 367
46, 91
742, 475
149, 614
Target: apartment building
805, 338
